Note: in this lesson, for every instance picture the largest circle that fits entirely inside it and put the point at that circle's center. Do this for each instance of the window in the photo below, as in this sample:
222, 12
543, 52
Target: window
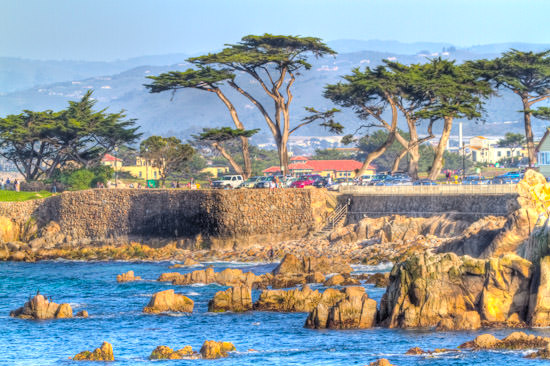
499, 154
508, 153
140, 174
544, 158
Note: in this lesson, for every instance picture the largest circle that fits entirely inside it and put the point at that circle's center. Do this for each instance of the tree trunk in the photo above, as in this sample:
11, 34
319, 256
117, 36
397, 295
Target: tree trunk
236, 167
529, 132
414, 149
398, 159
389, 141
438, 158
246, 171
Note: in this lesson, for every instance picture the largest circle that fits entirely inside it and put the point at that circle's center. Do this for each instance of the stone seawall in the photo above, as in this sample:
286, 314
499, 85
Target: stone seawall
474, 206
219, 218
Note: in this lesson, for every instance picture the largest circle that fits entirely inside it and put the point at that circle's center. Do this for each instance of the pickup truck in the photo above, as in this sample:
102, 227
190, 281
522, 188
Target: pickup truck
228, 181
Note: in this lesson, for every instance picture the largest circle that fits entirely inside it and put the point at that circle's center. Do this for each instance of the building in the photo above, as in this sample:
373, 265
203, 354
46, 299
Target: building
543, 154
113, 162
142, 168
484, 150
302, 165
216, 170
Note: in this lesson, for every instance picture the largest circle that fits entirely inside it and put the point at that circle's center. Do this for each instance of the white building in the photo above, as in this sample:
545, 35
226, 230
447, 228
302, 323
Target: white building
484, 150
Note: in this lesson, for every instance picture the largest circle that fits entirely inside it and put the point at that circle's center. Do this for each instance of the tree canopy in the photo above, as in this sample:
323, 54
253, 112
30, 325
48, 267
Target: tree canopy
39, 143
168, 154
527, 74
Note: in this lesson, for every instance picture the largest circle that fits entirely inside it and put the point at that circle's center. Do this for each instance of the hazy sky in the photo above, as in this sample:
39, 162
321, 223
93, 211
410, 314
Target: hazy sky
114, 29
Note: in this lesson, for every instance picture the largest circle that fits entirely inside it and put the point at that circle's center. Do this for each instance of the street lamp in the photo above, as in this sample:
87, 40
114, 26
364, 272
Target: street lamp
116, 161
146, 168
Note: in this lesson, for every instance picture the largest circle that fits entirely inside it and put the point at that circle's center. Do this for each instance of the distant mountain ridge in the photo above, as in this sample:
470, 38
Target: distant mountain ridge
119, 85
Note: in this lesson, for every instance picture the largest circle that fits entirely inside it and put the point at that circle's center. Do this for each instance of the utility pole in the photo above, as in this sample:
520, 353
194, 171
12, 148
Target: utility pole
146, 169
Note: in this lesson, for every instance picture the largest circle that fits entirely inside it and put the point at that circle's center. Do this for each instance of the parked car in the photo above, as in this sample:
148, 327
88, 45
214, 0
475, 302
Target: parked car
301, 183
475, 179
339, 182
250, 182
424, 182
228, 181
378, 178
506, 179
263, 182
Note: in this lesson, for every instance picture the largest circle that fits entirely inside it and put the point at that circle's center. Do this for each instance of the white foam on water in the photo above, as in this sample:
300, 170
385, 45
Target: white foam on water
382, 267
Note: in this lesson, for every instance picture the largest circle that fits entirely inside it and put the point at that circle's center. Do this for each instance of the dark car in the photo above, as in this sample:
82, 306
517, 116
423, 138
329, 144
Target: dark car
424, 182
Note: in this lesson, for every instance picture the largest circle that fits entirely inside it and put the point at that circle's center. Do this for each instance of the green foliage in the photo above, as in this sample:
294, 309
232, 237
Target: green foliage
80, 179
168, 154
38, 143
223, 134
512, 140
204, 78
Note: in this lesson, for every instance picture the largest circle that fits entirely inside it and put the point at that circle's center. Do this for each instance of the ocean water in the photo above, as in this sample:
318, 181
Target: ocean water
261, 338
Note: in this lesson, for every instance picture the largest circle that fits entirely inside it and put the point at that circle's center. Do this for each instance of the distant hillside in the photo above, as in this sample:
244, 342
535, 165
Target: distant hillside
188, 111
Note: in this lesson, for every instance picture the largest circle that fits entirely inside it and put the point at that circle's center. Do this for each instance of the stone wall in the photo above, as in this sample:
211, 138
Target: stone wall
474, 206
221, 218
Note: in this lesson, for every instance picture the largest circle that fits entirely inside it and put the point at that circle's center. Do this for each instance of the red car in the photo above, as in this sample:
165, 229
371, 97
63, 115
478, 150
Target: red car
301, 183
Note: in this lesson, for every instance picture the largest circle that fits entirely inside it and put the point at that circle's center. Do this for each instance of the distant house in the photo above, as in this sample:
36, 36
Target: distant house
484, 150
543, 154
141, 169
301, 165
110, 160
216, 170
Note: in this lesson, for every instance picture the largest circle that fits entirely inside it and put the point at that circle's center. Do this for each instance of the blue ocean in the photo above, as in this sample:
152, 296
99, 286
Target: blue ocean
261, 338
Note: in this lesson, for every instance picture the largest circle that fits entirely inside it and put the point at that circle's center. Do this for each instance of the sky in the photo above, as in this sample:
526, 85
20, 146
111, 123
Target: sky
105, 30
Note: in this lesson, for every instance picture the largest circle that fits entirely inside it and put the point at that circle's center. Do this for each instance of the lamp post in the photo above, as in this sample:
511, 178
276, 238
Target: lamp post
116, 161
146, 169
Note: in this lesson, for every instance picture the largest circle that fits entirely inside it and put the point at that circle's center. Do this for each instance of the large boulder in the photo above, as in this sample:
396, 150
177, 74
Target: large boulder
40, 308
213, 349
236, 299
296, 300
348, 308
292, 264
167, 353
539, 302
103, 353
445, 290
127, 277
168, 300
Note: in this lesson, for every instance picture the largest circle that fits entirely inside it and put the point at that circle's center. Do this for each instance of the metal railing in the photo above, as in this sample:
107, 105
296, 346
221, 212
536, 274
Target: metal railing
443, 189
339, 214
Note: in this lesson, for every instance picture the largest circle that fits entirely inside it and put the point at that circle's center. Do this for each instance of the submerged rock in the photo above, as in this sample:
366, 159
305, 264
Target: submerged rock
236, 299
514, 341
296, 300
213, 349
188, 262
348, 308
40, 308
168, 300
82, 314
167, 353
104, 353
381, 362
127, 277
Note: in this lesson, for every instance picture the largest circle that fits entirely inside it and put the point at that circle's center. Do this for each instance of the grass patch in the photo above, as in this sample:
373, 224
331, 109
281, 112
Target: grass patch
12, 196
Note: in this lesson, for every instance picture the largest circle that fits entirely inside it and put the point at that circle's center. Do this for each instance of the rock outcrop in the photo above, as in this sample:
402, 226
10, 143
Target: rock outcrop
227, 277
381, 362
292, 264
213, 349
103, 353
168, 300
345, 309
40, 308
452, 292
235, 299
295, 300
167, 353
127, 277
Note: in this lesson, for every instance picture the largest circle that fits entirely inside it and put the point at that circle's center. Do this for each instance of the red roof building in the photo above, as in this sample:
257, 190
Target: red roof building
334, 168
